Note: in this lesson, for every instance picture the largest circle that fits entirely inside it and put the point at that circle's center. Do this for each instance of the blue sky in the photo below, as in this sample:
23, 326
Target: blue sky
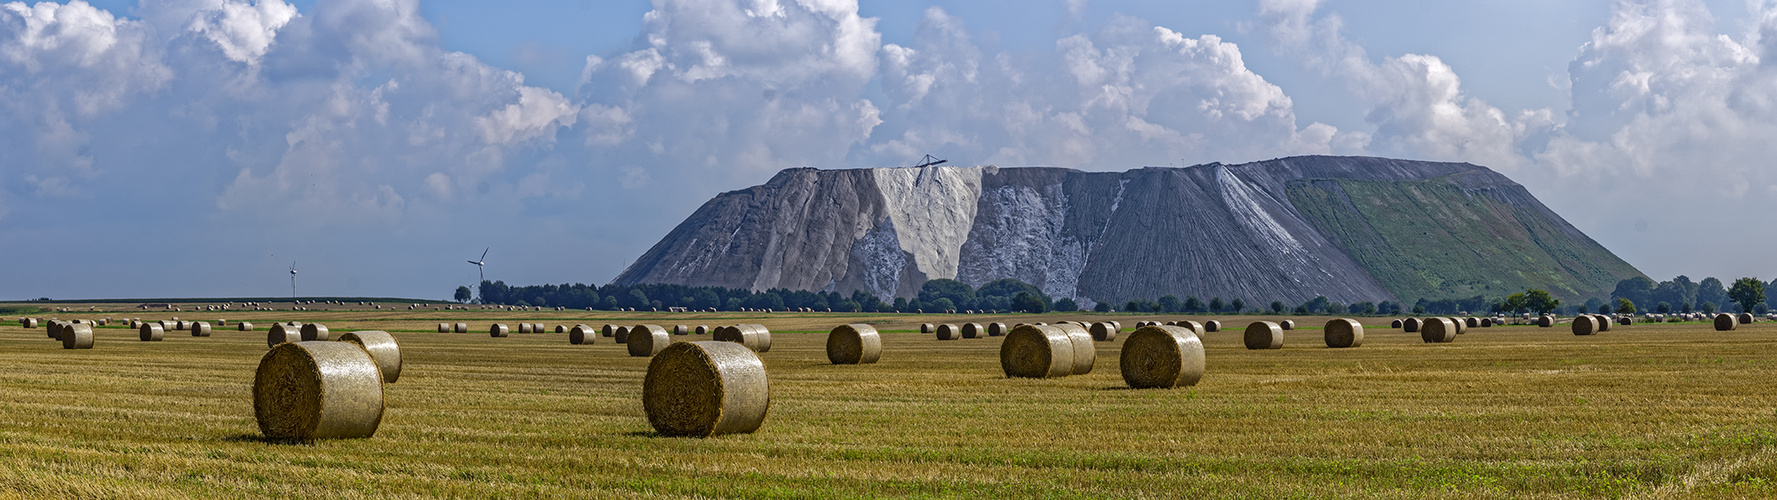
197, 147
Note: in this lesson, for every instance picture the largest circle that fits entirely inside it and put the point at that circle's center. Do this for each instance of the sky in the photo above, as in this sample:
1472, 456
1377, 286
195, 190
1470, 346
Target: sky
198, 148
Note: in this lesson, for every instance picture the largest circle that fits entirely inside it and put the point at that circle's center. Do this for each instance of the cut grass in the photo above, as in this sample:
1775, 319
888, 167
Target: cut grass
1643, 410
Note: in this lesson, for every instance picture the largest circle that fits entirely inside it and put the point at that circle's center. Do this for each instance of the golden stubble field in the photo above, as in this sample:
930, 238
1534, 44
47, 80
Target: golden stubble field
1668, 410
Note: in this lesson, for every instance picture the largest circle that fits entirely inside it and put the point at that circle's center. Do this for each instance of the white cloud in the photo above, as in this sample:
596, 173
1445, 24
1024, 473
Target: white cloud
244, 31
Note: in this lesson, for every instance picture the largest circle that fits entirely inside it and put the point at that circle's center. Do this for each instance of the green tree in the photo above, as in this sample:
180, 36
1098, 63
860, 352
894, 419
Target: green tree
1066, 305
1639, 290
463, 294
943, 304
1707, 308
1171, 303
1710, 290
1028, 302
1748, 292
1192, 305
958, 292
1237, 305
1277, 306
1540, 301
1624, 306
1216, 305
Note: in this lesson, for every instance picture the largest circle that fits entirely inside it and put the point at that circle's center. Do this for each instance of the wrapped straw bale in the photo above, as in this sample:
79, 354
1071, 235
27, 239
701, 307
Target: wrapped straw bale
706, 388
973, 331
703, 329
1162, 357
681, 330
755, 337
1395, 324
1545, 321
561, 328
281, 333
1344, 332
1746, 318
444, 328
1437, 330
1085, 354
1585, 324
1264, 335
1196, 328
621, 335
608, 330
647, 340
1212, 326
1486, 322
382, 348
927, 328
1117, 324
460, 328
151, 332
949, 332
996, 329
1603, 322
318, 390
316, 332
537, 328
1725, 322
1411, 325
1104, 332
55, 329
181, 325
1471, 322
854, 344
1288, 324
244, 326
77, 337
498, 330
582, 334
1037, 351
1461, 327
522, 328
1626, 321
200, 329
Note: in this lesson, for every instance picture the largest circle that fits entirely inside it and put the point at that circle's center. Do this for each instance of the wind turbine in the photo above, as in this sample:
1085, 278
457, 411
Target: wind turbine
479, 267
293, 281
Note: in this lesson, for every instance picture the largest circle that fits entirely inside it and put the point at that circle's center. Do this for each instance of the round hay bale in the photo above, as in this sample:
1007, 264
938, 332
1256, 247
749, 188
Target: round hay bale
1085, 354
316, 332
761, 336
1117, 324
702, 329
949, 332
1471, 322
647, 340
538, 328
681, 330
181, 325
561, 328
608, 330
151, 332
854, 344
706, 388
1212, 326
1626, 321
1411, 325
1264, 335
55, 329
1395, 324
1162, 357
927, 328
522, 328
498, 330
1585, 324
1603, 322
582, 334
1725, 322
382, 348
1461, 327
996, 329
1193, 326
1545, 321
1104, 332
1037, 351
444, 328
77, 337
621, 335
244, 326
973, 331
1486, 322
200, 329
281, 333
1288, 324
1438, 330
317, 390
1344, 332
460, 328
1746, 318
755, 337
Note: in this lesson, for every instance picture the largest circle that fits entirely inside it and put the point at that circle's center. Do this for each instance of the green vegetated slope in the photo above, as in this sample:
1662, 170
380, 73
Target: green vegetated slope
1432, 239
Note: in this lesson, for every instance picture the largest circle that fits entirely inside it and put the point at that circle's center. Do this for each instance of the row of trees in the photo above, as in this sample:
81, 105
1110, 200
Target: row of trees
934, 296
1682, 295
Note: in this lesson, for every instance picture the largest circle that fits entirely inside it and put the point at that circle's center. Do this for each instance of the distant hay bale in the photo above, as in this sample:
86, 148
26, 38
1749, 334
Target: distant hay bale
1264, 335
498, 330
55, 329
1461, 327
200, 329
1288, 324
1196, 328
280, 333
1626, 321
706, 388
621, 335
1746, 318
316, 332
927, 328
996, 329
1603, 322
1103, 331
1117, 324
1585, 324
77, 337
647, 340
561, 328
522, 328
444, 328
1212, 326
681, 330
1162, 357
1037, 351
460, 328
1725, 322
854, 344
1486, 322
1395, 324
1411, 325
1471, 322
151, 332
703, 329
1438, 330
1085, 354
949, 332
382, 348
608, 330
537, 328
1344, 332
317, 390
755, 337
181, 325
1545, 321
973, 331
582, 334
244, 326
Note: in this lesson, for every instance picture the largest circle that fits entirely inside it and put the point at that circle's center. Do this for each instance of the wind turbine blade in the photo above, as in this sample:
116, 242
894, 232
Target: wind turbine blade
484, 254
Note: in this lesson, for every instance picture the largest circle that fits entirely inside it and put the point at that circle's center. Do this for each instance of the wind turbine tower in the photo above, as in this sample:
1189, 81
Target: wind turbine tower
293, 281
480, 268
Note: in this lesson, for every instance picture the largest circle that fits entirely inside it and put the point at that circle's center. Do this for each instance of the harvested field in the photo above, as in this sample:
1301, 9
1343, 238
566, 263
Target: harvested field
1657, 409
